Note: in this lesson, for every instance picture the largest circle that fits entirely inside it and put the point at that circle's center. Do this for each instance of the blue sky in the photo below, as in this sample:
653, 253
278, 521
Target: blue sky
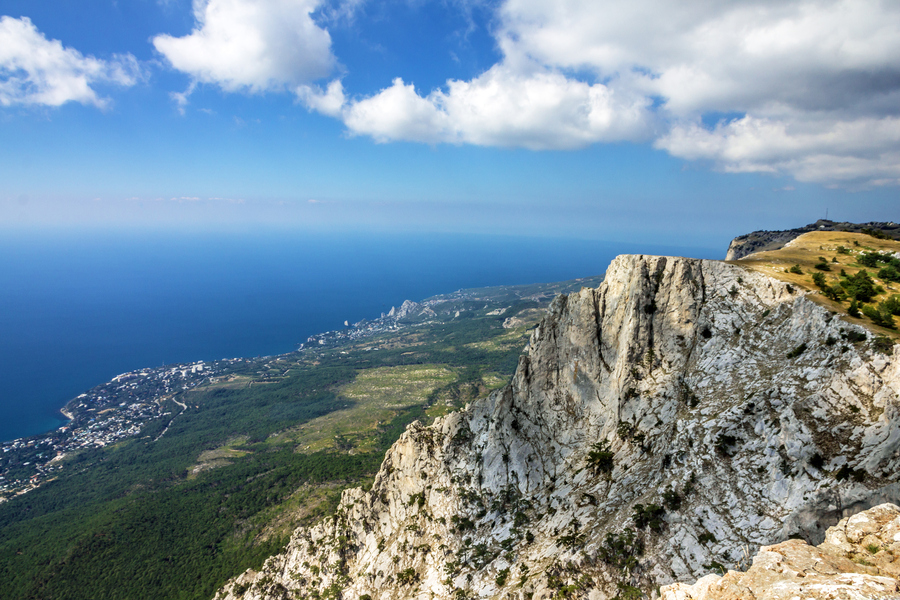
686, 124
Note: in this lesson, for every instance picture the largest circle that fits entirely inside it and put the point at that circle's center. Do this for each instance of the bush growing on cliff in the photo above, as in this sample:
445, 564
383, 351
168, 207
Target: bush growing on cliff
797, 351
648, 516
622, 550
672, 499
407, 576
883, 344
724, 444
600, 458
879, 315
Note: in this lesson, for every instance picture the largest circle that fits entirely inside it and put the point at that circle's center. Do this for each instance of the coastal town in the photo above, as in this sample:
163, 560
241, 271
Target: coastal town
106, 414
122, 408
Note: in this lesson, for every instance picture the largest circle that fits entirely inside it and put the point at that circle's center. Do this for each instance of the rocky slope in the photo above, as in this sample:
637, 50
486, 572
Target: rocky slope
662, 426
761, 241
859, 560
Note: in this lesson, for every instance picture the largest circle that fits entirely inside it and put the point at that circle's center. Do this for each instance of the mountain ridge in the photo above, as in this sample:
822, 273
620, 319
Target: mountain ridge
657, 428
764, 240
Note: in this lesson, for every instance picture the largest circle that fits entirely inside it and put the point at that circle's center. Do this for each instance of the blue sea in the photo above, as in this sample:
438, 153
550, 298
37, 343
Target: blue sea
77, 309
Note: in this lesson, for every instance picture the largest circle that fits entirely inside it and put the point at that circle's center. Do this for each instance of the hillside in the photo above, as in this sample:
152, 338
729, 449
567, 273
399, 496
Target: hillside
853, 274
168, 481
761, 241
660, 427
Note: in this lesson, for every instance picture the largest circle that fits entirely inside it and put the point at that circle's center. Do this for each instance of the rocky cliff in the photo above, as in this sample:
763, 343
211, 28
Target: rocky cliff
859, 560
658, 428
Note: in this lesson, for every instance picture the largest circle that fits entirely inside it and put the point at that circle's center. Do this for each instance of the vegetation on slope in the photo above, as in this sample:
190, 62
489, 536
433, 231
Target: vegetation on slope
254, 455
852, 273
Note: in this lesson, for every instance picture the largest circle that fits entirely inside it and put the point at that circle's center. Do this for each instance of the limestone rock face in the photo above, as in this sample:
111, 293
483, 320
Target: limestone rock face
859, 560
658, 428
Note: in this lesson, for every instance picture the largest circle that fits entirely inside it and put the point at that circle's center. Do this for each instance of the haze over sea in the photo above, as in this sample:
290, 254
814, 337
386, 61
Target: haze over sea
80, 308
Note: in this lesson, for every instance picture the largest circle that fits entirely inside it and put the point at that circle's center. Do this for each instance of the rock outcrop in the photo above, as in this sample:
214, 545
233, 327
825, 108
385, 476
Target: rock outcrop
658, 428
859, 560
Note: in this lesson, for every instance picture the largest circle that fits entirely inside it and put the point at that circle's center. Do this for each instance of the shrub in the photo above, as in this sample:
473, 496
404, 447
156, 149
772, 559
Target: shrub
797, 351
648, 516
819, 280
407, 576
625, 431
672, 499
621, 550
843, 250
883, 344
854, 337
502, 577
627, 592
600, 458
860, 286
889, 273
834, 292
796, 270
724, 443
878, 316
853, 310
891, 305
706, 537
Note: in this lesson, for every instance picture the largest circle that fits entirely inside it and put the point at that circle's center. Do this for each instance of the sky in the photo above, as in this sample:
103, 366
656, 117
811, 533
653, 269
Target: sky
682, 122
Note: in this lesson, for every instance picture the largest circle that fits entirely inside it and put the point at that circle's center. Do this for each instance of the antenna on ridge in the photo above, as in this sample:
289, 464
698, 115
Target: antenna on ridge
826, 214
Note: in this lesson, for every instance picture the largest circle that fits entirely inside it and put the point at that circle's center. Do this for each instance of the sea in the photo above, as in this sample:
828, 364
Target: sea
78, 308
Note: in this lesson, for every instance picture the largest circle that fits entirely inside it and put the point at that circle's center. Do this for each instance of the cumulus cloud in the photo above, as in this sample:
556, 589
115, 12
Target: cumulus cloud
38, 71
812, 149
255, 45
809, 88
541, 109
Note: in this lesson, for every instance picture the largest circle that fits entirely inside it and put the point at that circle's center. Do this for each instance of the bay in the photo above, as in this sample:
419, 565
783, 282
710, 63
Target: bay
80, 307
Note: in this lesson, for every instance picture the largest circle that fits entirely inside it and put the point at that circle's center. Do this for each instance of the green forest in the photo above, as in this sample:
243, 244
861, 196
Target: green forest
138, 520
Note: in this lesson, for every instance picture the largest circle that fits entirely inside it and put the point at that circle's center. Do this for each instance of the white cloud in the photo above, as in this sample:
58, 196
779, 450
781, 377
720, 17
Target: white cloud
810, 148
809, 88
255, 45
538, 110
38, 71
330, 102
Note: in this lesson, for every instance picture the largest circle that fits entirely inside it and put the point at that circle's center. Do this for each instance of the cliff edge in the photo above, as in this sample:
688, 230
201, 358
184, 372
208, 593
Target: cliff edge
658, 428
859, 560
